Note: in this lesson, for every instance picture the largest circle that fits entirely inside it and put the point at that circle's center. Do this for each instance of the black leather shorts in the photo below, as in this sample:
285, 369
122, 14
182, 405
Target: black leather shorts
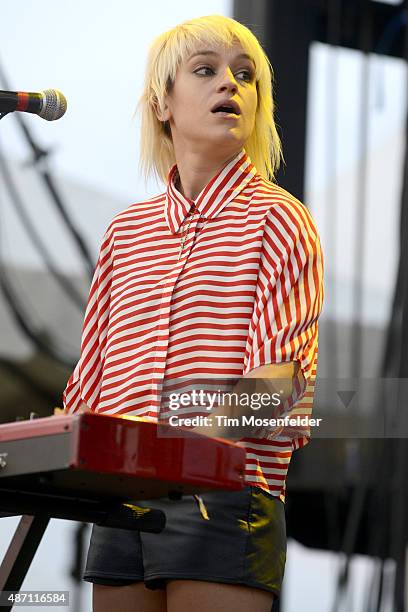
244, 542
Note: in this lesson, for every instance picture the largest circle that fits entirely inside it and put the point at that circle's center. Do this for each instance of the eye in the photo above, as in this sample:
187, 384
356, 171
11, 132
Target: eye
245, 75
204, 71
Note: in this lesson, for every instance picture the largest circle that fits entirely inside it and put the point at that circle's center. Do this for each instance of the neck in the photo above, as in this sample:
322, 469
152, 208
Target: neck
196, 170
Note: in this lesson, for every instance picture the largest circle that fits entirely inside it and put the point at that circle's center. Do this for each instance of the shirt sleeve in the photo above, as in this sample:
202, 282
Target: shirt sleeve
288, 302
85, 382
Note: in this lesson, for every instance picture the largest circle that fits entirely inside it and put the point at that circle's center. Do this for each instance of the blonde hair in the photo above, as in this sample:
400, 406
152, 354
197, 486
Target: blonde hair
166, 54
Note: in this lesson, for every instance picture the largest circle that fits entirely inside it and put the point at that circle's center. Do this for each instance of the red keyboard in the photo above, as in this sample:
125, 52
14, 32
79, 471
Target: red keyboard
114, 457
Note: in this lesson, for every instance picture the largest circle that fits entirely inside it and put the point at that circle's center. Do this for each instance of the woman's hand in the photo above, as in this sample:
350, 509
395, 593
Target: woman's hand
82, 408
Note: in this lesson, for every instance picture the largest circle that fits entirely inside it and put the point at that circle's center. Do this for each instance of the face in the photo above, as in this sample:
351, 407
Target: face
211, 107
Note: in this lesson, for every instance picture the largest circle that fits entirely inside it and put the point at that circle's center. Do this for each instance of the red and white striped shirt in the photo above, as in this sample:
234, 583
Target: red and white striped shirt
245, 291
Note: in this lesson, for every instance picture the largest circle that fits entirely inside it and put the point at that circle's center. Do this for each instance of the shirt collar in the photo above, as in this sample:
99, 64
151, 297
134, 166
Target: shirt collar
221, 189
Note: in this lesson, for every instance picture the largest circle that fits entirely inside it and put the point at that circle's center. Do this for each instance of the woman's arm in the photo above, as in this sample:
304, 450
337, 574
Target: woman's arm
275, 378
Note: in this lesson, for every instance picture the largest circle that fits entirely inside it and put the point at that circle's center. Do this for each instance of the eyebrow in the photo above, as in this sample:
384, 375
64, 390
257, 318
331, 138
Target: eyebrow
205, 52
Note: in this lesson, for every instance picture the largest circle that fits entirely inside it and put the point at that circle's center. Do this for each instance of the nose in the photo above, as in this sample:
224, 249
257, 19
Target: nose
227, 82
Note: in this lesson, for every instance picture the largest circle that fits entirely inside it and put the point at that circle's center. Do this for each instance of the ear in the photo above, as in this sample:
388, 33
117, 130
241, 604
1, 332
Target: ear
163, 114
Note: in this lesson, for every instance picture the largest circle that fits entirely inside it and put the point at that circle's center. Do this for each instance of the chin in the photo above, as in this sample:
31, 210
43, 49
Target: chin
229, 140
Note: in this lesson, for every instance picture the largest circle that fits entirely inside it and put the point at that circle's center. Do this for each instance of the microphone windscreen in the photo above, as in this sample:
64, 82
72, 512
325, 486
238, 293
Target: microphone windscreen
54, 104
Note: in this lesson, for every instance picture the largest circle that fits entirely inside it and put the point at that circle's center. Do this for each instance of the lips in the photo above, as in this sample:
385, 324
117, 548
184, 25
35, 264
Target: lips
226, 106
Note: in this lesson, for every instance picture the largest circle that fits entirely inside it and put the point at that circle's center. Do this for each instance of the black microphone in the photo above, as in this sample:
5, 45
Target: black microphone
49, 104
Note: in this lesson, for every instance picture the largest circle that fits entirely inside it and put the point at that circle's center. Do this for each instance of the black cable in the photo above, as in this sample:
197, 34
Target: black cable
49, 183
17, 310
348, 542
373, 594
380, 584
62, 280
22, 320
82, 247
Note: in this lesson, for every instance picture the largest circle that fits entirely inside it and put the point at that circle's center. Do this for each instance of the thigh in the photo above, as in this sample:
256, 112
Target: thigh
131, 598
187, 595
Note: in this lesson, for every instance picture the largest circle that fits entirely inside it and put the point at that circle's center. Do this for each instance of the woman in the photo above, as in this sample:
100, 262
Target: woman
220, 275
